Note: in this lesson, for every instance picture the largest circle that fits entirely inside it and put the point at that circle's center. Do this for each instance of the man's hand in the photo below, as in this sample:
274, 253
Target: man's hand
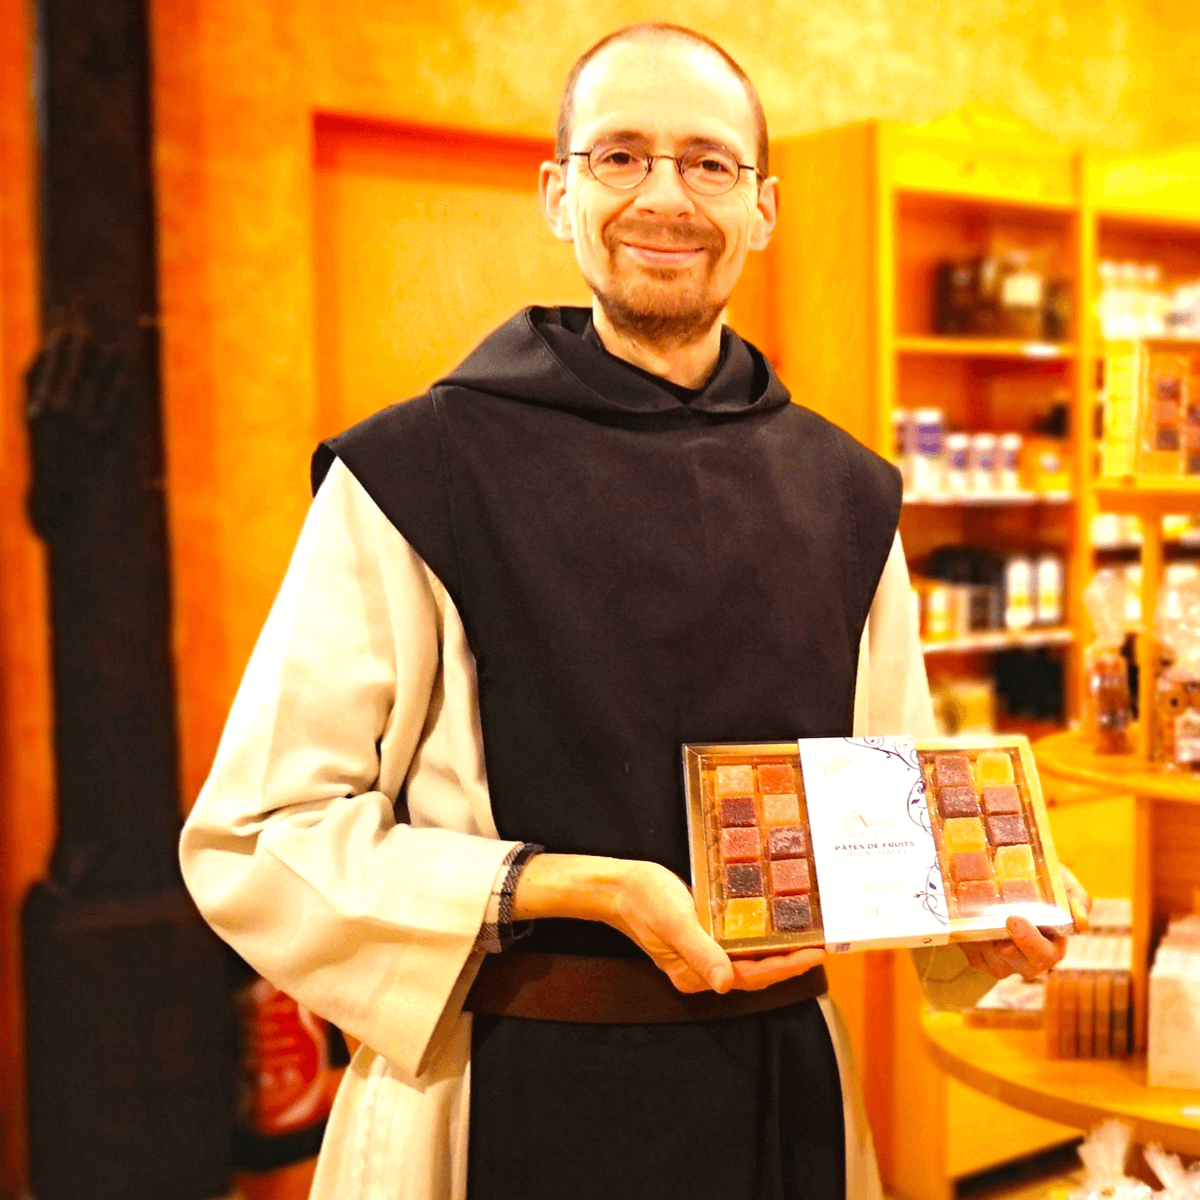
1029, 952
653, 907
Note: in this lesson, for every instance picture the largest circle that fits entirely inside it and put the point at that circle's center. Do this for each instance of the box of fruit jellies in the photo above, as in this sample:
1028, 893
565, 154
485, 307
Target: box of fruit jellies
866, 842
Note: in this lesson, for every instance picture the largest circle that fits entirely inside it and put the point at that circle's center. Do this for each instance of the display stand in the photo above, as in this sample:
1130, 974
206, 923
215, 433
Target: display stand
1011, 1065
1167, 848
854, 267
871, 209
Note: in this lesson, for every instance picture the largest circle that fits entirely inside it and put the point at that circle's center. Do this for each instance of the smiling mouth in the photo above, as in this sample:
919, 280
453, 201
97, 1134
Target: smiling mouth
662, 256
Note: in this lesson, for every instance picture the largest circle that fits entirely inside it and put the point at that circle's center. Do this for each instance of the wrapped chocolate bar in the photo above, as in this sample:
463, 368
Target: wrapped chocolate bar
855, 843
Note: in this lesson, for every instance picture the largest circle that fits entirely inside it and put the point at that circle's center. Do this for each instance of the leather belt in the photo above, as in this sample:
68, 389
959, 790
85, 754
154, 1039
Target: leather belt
614, 991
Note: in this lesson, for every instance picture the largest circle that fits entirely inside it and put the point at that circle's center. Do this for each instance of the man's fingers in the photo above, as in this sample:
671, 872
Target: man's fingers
975, 956
1077, 898
753, 974
704, 957
1040, 952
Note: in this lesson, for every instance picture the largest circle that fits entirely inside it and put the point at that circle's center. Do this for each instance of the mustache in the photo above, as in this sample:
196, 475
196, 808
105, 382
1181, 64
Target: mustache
655, 233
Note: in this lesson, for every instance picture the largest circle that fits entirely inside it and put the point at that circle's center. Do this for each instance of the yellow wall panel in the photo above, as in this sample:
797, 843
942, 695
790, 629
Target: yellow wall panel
1115, 74
422, 246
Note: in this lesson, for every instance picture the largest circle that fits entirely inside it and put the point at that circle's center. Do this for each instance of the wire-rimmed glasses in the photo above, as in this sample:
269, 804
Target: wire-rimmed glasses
706, 170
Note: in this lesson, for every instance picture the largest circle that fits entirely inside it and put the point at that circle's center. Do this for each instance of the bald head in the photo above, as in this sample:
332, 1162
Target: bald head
667, 35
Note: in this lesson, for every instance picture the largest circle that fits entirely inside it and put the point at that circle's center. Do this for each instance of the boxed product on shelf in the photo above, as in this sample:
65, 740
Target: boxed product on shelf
1088, 998
1014, 1003
1119, 398
1103, 958
1000, 295
1134, 303
1173, 1044
1162, 406
1151, 409
853, 842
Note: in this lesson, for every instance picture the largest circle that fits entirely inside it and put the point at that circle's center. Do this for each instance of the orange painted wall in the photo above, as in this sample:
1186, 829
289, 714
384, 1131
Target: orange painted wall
239, 83
26, 783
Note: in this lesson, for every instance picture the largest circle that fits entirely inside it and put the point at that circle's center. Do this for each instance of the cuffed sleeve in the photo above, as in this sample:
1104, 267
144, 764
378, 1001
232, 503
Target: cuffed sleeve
498, 932
294, 851
950, 982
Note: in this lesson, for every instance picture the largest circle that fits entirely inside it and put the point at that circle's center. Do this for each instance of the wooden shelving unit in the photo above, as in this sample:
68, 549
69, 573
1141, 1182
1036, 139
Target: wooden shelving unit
968, 347
854, 267
1001, 639
985, 499
870, 209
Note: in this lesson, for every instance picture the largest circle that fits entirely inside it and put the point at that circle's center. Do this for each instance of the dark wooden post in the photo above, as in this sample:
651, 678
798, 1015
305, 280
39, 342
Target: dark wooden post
129, 1044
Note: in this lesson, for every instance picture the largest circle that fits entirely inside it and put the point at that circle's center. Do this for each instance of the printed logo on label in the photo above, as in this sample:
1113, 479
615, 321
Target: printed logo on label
854, 823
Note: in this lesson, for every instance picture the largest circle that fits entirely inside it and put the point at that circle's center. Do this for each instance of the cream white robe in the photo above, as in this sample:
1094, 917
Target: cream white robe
362, 683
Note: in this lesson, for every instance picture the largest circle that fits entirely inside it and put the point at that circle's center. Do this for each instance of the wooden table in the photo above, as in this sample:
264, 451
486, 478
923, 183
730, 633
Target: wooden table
1011, 1065
1166, 838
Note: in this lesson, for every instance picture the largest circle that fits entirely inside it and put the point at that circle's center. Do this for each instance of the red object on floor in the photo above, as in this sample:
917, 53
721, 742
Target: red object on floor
285, 1063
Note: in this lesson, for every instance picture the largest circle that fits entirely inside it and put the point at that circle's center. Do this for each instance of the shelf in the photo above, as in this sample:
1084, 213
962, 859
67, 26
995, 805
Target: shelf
1010, 1065
1191, 542
1068, 756
1001, 639
1149, 493
970, 347
986, 499
985, 199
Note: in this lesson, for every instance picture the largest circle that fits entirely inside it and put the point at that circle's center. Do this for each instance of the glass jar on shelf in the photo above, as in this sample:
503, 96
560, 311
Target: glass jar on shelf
1110, 707
1175, 721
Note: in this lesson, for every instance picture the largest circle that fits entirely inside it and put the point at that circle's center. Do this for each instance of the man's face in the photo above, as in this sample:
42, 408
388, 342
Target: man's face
661, 259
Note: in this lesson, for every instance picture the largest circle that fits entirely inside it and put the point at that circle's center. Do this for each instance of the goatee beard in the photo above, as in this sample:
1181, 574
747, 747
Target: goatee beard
681, 321
640, 310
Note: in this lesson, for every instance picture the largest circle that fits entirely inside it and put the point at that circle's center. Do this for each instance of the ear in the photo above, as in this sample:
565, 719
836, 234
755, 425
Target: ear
552, 187
768, 212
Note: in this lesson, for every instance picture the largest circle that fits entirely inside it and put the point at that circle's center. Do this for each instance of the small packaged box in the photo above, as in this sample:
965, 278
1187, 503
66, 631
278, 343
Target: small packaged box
868, 842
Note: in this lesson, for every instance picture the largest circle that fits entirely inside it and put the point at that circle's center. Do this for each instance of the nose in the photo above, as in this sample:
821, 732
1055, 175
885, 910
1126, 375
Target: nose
663, 191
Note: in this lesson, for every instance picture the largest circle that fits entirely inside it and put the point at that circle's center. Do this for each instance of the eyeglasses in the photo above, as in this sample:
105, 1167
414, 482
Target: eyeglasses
707, 170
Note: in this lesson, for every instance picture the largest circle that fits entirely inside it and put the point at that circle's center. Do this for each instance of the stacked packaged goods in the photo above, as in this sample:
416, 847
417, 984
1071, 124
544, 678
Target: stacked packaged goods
1173, 1046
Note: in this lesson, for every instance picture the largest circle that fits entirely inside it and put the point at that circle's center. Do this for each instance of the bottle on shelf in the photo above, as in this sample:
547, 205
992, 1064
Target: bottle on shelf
926, 459
958, 454
1048, 589
981, 462
1008, 462
954, 297
1018, 593
969, 589
1020, 298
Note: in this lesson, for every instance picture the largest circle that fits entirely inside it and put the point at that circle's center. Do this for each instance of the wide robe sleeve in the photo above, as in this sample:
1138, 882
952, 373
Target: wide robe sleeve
892, 697
343, 843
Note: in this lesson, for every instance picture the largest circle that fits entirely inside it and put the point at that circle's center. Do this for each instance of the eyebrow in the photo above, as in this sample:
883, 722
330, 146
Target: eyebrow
632, 135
